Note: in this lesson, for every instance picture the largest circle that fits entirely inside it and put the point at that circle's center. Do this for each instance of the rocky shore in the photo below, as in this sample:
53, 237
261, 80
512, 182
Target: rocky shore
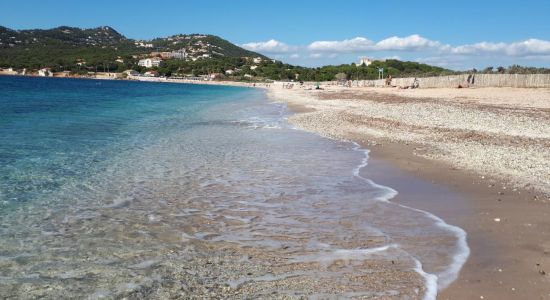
490, 145
508, 141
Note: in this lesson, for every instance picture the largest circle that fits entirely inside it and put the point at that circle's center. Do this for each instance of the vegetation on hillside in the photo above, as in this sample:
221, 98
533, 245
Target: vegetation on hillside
104, 49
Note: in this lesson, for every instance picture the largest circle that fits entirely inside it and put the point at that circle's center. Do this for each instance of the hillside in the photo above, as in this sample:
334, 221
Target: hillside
66, 35
63, 47
207, 44
82, 51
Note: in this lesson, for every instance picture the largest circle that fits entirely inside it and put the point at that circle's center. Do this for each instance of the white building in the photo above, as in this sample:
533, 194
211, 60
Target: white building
45, 72
151, 74
257, 60
253, 67
151, 62
141, 44
229, 72
179, 54
8, 71
364, 61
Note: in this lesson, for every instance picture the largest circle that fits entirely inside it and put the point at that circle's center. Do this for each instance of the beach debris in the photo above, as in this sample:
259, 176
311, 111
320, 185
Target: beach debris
497, 219
540, 270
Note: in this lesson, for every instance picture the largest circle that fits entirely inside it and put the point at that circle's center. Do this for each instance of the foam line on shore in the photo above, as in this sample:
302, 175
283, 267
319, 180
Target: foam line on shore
433, 282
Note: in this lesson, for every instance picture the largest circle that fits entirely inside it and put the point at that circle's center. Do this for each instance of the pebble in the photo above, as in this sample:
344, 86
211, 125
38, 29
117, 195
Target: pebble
507, 143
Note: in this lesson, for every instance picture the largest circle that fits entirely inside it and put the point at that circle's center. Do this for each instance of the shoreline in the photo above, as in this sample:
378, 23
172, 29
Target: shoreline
154, 80
509, 257
505, 226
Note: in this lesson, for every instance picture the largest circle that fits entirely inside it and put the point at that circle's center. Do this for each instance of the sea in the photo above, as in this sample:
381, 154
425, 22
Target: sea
143, 190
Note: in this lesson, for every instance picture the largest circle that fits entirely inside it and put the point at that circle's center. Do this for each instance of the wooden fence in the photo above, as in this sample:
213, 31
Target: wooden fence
479, 80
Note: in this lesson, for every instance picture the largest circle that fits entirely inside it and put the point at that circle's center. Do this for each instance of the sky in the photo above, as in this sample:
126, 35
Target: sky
453, 34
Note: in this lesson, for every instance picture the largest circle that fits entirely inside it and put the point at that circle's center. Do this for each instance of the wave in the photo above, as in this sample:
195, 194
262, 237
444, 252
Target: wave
434, 282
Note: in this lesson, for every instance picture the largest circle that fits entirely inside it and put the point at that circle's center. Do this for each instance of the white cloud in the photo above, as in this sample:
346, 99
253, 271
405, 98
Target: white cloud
271, 46
415, 42
412, 47
391, 57
411, 42
357, 44
525, 48
361, 44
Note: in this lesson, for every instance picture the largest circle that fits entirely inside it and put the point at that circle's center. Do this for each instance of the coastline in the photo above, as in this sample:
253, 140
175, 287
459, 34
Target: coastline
281, 230
505, 225
152, 79
509, 257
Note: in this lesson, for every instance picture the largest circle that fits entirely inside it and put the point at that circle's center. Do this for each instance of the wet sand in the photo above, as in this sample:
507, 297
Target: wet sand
509, 258
508, 227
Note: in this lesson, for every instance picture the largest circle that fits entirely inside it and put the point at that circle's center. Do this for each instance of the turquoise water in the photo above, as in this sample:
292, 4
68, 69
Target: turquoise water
113, 189
59, 130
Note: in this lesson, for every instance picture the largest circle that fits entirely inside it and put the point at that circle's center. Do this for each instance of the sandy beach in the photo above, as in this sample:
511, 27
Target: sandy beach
490, 145
477, 158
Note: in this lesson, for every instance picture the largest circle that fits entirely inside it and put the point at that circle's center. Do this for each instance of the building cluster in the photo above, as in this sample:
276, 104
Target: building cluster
177, 54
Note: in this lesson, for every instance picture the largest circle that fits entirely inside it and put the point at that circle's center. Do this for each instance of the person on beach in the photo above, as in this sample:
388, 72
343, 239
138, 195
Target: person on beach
388, 80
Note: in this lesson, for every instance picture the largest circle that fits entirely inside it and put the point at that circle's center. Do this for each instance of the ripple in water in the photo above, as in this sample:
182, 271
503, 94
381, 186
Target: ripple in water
225, 200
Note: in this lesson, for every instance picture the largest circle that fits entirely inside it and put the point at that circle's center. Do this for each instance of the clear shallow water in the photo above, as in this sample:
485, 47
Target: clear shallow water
111, 189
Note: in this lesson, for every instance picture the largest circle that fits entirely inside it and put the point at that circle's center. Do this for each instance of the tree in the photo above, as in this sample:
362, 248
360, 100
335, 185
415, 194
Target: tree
341, 76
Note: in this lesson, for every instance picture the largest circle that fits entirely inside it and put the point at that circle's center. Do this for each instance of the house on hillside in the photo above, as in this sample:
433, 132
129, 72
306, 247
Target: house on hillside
364, 61
151, 62
257, 60
80, 62
151, 74
229, 72
165, 55
179, 54
141, 44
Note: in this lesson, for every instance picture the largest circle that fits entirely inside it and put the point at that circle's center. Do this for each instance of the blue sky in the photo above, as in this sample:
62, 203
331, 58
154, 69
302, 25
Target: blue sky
457, 34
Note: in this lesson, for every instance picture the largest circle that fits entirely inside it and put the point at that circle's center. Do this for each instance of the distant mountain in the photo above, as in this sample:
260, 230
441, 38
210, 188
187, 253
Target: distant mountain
100, 36
208, 44
35, 48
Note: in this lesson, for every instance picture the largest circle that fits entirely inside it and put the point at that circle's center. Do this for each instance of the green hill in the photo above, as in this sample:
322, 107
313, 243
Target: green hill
104, 49
63, 47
